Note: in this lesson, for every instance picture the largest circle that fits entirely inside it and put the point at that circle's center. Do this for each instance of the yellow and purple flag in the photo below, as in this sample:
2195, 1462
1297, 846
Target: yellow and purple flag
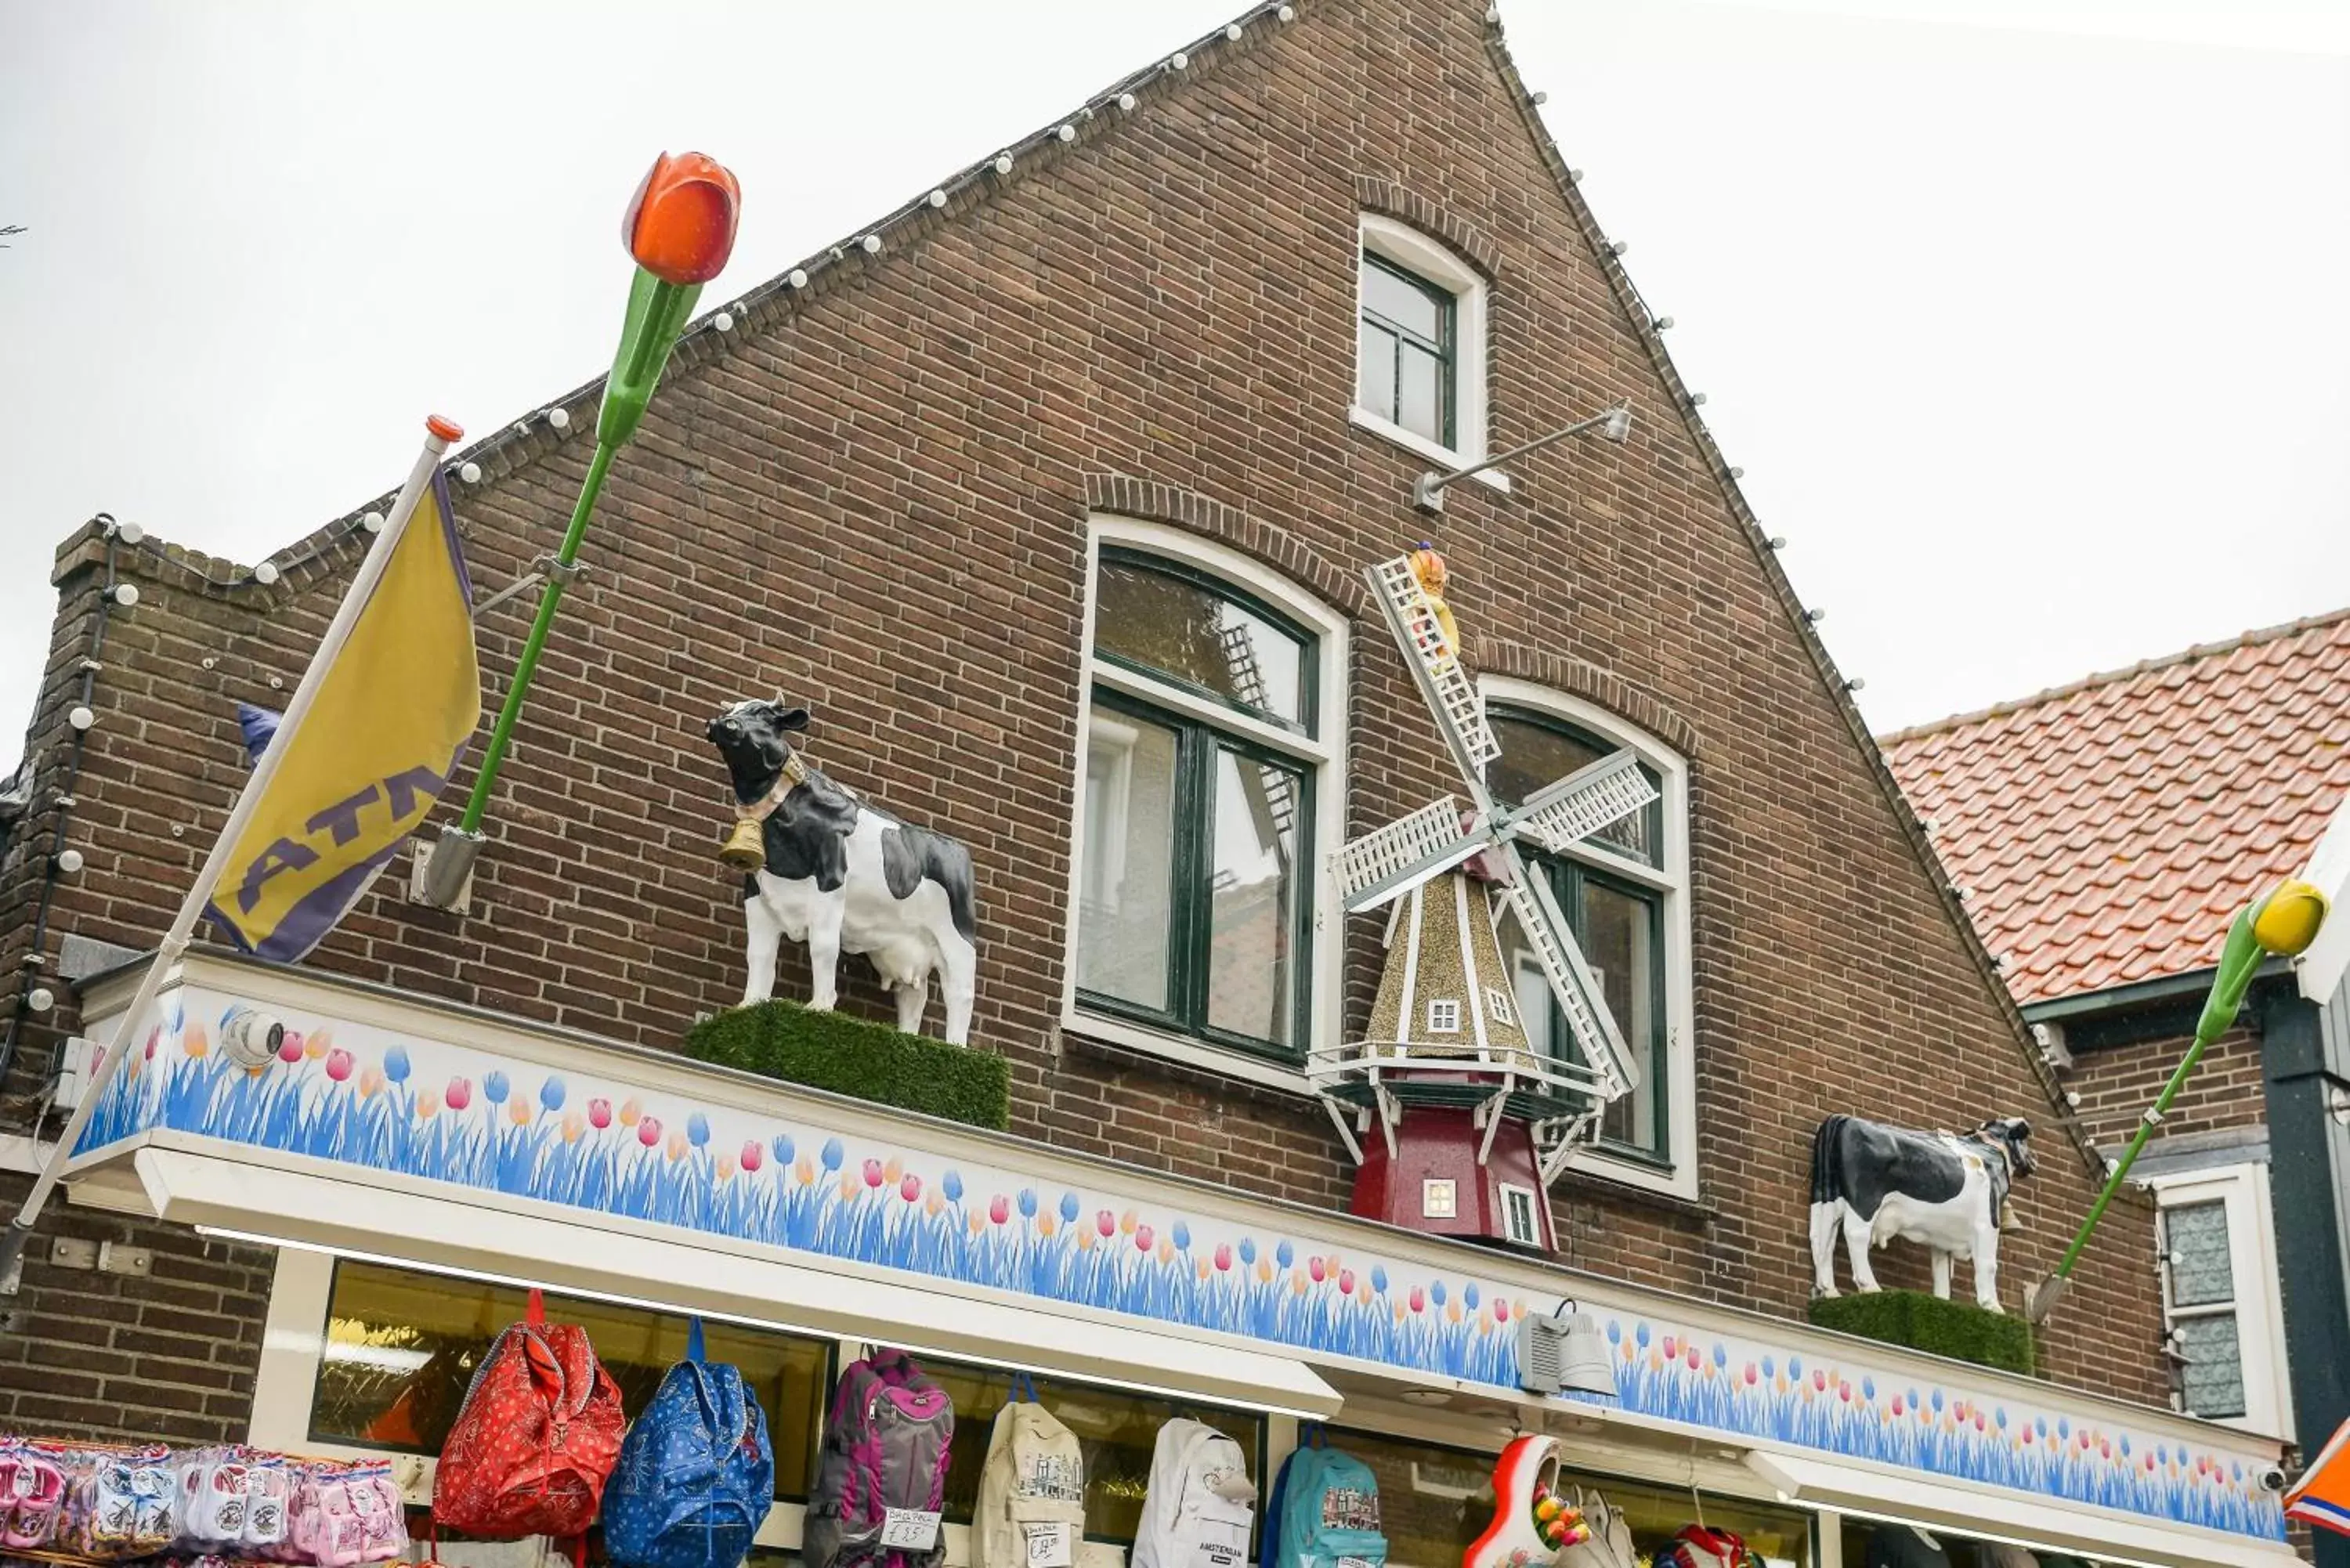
392, 715
2321, 1496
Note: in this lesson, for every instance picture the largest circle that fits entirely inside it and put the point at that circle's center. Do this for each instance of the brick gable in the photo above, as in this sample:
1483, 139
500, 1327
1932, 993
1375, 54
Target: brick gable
872, 495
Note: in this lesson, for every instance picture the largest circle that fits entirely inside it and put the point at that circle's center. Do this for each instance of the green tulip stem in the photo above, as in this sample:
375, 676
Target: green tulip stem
2240, 959
656, 311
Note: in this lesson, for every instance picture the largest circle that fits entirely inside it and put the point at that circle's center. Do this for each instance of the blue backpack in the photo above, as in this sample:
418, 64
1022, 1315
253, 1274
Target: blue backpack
696, 1476
1326, 1511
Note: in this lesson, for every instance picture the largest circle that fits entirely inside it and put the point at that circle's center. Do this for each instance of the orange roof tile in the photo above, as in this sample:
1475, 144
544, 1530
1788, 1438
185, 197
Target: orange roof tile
2106, 832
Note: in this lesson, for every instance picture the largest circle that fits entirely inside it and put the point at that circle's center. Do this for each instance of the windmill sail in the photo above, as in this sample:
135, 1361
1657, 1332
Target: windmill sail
1580, 1001
1390, 861
1435, 664
1591, 798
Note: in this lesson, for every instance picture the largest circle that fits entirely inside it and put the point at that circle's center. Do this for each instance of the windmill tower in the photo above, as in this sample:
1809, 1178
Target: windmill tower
1457, 1122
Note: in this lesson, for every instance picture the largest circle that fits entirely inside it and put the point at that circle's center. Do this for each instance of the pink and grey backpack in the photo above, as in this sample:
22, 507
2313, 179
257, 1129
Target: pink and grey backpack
881, 1478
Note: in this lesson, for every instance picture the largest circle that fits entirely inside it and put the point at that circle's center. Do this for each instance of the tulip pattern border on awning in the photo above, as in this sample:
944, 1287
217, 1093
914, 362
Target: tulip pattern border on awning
624, 1141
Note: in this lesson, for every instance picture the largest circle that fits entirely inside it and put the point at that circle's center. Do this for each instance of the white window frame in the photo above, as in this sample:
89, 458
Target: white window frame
1427, 258
1512, 1194
1323, 755
2259, 1301
1679, 1179
1444, 1015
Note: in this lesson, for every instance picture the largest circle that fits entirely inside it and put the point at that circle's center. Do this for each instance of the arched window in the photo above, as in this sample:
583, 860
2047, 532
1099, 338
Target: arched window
1206, 764
1624, 894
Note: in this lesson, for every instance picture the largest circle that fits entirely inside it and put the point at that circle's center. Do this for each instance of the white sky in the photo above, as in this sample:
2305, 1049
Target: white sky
2027, 322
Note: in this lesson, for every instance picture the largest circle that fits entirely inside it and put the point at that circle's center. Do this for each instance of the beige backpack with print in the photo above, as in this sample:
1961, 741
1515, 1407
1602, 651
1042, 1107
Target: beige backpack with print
1032, 1491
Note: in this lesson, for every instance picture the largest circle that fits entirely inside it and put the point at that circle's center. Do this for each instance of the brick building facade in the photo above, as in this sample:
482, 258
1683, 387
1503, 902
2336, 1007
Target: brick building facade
874, 493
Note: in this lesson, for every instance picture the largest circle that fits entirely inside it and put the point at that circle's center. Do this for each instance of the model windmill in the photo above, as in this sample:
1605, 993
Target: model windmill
1473, 1121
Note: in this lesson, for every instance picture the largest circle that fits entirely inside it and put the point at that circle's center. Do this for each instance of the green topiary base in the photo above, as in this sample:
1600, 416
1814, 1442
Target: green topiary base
1927, 1323
850, 1057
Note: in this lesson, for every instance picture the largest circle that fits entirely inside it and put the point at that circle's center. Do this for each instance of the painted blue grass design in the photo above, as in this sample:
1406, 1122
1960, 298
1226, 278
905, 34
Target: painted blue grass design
525, 1132
1927, 1429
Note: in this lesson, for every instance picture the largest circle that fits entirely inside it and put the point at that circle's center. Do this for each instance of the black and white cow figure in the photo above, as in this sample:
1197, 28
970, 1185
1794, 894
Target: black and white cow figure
1945, 1191
843, 878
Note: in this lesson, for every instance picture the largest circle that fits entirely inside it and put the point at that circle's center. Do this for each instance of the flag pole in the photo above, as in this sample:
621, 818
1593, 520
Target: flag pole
439, 434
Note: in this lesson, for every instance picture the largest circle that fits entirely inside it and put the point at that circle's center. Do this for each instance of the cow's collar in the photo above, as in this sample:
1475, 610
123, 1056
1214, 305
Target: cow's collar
795, 771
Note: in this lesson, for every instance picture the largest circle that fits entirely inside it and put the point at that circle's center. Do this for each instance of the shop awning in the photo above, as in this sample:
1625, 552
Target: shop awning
273, 1198
1969, 1510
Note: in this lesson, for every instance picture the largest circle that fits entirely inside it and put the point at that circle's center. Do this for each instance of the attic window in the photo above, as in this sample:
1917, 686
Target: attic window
1420, 336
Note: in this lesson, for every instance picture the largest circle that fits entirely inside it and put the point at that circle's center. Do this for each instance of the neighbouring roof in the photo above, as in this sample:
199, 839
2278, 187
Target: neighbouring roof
2104, 833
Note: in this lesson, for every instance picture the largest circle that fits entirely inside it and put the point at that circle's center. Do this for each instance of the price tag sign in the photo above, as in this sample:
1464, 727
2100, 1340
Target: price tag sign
909, 1530
1354, 1562
1050, 1545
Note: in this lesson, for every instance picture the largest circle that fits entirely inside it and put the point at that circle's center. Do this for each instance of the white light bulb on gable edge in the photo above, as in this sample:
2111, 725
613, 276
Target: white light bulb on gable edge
266, 574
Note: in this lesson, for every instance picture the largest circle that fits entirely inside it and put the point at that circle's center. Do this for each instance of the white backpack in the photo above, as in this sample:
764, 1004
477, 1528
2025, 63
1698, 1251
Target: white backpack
1197, 1511
1032, 1492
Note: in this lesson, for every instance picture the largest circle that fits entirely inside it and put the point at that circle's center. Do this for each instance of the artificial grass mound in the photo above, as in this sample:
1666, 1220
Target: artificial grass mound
851, 1056
1923, 1321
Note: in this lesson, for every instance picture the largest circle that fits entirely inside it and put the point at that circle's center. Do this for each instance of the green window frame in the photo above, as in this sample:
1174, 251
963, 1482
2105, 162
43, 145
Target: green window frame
1186, 1004
1574, 880
1386, 344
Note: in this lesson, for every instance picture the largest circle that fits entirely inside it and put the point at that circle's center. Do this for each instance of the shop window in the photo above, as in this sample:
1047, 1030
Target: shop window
2219, 1298
1419, 344
399, 1348
1435, 1501
1624, 894
1201, 817
1115, 1429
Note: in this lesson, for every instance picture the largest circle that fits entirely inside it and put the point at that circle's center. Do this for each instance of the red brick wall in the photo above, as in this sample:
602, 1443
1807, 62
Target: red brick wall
873, 495
91, 1353
2116, 1083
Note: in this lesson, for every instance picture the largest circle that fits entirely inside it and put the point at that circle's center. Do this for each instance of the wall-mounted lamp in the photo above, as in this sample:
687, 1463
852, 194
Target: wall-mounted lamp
1428, 492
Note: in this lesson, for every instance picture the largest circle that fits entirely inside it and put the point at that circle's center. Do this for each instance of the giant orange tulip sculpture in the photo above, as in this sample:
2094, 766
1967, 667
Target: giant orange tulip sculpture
680, 230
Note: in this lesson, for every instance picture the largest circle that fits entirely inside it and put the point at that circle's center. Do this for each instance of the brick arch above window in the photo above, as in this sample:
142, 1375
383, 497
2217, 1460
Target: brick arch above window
1374, 195
1268, 542
1580, 677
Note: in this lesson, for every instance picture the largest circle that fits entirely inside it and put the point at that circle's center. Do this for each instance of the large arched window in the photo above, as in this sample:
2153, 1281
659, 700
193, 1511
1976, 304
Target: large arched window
1206, 769
1625, 894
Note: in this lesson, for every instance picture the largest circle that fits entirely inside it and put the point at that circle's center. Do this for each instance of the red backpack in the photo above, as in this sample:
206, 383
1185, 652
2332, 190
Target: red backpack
536, 1439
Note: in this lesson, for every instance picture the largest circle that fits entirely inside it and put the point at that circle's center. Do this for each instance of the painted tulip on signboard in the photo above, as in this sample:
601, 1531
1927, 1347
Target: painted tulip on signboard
680, 225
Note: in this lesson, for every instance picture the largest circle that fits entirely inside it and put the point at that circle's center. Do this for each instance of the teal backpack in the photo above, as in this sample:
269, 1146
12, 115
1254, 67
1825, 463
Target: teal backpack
1326, 1515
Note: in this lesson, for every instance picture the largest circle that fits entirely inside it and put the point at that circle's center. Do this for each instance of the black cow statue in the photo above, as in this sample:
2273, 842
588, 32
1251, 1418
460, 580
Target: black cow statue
1944, 1190
824, 867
